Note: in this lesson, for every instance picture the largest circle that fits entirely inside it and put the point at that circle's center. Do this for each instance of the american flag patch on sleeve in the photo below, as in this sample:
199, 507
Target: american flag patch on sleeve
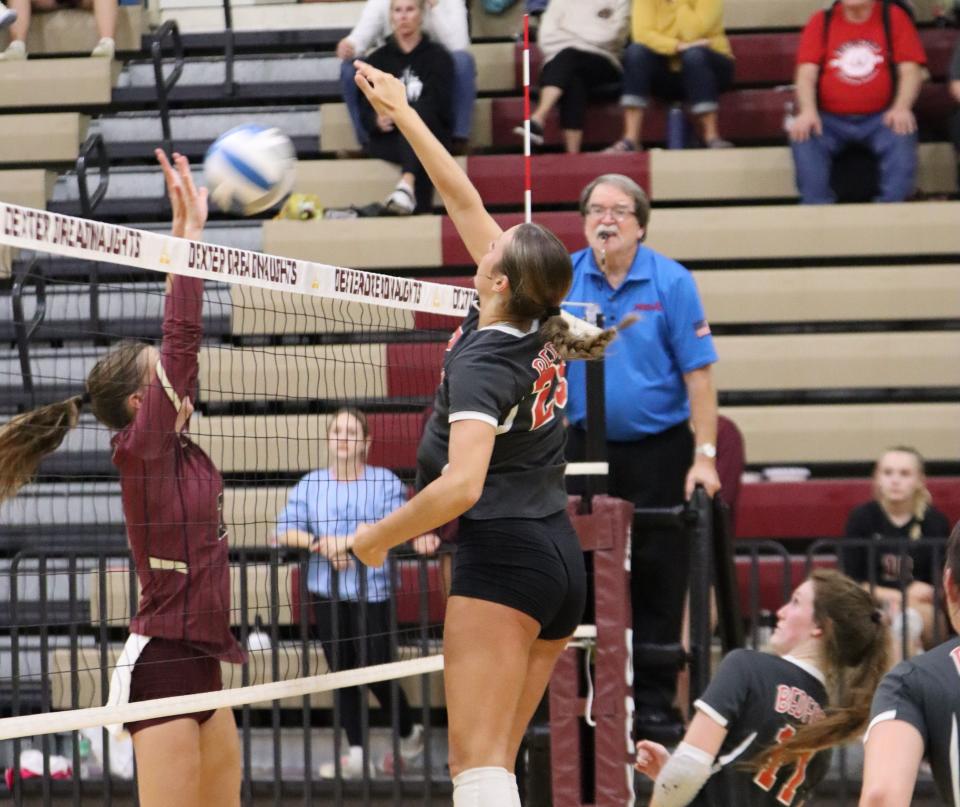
701, 328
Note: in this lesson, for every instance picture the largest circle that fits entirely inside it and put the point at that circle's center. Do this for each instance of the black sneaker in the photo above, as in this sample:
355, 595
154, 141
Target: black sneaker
536, 132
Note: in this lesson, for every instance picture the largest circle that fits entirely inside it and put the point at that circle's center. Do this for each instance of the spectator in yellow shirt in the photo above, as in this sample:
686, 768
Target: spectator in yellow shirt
679, 53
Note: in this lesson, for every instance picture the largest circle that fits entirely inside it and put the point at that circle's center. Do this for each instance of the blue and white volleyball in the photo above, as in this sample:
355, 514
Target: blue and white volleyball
250, 169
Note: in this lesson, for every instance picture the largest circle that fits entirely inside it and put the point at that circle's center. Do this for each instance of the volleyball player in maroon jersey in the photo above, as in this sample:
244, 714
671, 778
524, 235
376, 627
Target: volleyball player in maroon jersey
172, 496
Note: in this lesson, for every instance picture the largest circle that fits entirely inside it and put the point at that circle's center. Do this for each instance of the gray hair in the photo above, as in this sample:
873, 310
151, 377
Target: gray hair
641, 204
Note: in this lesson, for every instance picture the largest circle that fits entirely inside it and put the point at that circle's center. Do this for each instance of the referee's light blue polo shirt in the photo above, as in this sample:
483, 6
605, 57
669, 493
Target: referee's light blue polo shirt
645, 364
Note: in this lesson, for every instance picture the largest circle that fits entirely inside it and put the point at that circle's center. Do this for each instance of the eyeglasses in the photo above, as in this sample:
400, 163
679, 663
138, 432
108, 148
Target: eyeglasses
619, 212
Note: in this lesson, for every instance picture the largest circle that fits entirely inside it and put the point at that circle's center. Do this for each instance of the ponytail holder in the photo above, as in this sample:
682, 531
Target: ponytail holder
877, 616
85, 398
552, 311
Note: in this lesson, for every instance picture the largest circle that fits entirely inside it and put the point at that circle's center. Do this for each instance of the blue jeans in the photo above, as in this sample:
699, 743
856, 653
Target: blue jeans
896, 157
464, 95
703, 75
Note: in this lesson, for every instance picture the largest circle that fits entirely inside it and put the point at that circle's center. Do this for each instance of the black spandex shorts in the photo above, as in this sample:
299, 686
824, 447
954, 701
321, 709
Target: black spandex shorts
167, 668
534, 565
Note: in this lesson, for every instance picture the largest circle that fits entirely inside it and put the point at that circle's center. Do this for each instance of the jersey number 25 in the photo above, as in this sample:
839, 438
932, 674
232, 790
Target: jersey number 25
550, 393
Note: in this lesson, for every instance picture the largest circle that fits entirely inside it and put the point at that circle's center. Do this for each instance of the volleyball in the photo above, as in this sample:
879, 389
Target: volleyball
249, 169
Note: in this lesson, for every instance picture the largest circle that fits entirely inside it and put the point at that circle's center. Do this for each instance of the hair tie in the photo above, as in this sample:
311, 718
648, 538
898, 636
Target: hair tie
877, 616
552, 311
85, 398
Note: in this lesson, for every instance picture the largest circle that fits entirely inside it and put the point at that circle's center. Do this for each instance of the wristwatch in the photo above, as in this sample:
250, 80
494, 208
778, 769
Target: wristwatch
707, 449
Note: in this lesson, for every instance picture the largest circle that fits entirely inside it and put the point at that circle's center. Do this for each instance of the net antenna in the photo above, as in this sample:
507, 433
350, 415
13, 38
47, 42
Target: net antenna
527, 180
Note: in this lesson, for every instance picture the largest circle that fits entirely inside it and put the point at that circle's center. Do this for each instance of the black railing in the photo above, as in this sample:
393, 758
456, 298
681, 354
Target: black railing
46, 638
164, 84
229, 42
94, 146
24, 330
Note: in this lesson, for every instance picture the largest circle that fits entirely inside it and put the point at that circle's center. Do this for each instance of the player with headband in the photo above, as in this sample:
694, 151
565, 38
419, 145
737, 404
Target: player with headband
492, 453
916, 714
172, 496
777, 712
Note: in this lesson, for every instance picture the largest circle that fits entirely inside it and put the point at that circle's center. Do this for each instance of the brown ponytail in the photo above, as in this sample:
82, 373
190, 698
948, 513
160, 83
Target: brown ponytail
538, 267
855, 647
29, 437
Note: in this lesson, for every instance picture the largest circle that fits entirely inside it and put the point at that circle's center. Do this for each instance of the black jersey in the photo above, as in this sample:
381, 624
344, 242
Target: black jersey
513, 381
870, 521
925, 692
761, 699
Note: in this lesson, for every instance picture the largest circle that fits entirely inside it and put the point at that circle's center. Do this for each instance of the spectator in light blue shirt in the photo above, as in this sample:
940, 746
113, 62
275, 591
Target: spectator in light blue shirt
322, 514
659, 386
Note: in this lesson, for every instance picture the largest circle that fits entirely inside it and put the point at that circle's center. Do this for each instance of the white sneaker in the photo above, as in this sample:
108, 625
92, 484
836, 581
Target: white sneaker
410, 750
401, 202
351, 766
6, 16
106, 49
16, 52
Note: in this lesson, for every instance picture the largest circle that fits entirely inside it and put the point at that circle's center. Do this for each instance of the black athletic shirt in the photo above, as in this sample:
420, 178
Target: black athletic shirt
761, 699
925, 692
870, 521
513, 381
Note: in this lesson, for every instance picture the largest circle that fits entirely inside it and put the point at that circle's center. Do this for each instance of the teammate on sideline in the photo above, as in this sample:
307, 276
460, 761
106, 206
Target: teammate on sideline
773, 710
172, 494
916, 714
493, 453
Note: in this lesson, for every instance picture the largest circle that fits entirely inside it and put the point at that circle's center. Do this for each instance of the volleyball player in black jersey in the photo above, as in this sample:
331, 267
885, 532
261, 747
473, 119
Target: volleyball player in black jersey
916, 714
761, 727
492, 453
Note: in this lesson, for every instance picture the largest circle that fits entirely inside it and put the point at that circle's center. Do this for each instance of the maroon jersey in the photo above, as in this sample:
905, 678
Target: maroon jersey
172, 498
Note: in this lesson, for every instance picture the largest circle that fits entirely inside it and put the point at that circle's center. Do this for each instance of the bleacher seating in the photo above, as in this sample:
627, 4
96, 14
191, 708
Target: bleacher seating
836, 326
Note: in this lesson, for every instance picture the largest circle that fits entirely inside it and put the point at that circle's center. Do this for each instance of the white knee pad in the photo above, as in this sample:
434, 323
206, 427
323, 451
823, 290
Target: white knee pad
483, 787
515, 801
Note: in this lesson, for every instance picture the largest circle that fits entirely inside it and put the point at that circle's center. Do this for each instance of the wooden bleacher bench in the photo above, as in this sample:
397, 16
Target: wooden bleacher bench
818, 508
296, 443
831, 294
41, 137
336, 131
30, 187
705, 175
66, 83
74, 31
688, 234
818, 294
846, 433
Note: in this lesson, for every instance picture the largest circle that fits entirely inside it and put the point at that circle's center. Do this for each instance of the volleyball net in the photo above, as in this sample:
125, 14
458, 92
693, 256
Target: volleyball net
286, 345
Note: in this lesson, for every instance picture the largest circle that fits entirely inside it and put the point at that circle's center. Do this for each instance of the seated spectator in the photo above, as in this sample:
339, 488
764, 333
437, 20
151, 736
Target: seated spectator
425, 69
104, 11
859, 72
6, 16
900, 508
955, 94
445, 22
582, 42
679, 53
321, 515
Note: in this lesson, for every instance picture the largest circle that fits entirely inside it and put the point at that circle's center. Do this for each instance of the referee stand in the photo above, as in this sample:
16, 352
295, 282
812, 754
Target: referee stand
591, 690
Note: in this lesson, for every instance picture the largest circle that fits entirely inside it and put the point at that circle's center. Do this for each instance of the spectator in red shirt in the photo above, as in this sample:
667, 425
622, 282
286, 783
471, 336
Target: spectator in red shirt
172, 504
855, 86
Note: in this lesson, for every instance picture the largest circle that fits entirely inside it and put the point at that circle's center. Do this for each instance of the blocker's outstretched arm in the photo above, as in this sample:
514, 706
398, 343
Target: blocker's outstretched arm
388, 96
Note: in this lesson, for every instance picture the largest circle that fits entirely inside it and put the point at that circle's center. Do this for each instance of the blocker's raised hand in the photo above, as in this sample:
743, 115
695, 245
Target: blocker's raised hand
385, 92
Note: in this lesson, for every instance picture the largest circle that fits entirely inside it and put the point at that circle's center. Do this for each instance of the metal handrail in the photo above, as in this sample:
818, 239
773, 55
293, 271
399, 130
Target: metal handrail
229, 40
93, 145
24, 331
165, 85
